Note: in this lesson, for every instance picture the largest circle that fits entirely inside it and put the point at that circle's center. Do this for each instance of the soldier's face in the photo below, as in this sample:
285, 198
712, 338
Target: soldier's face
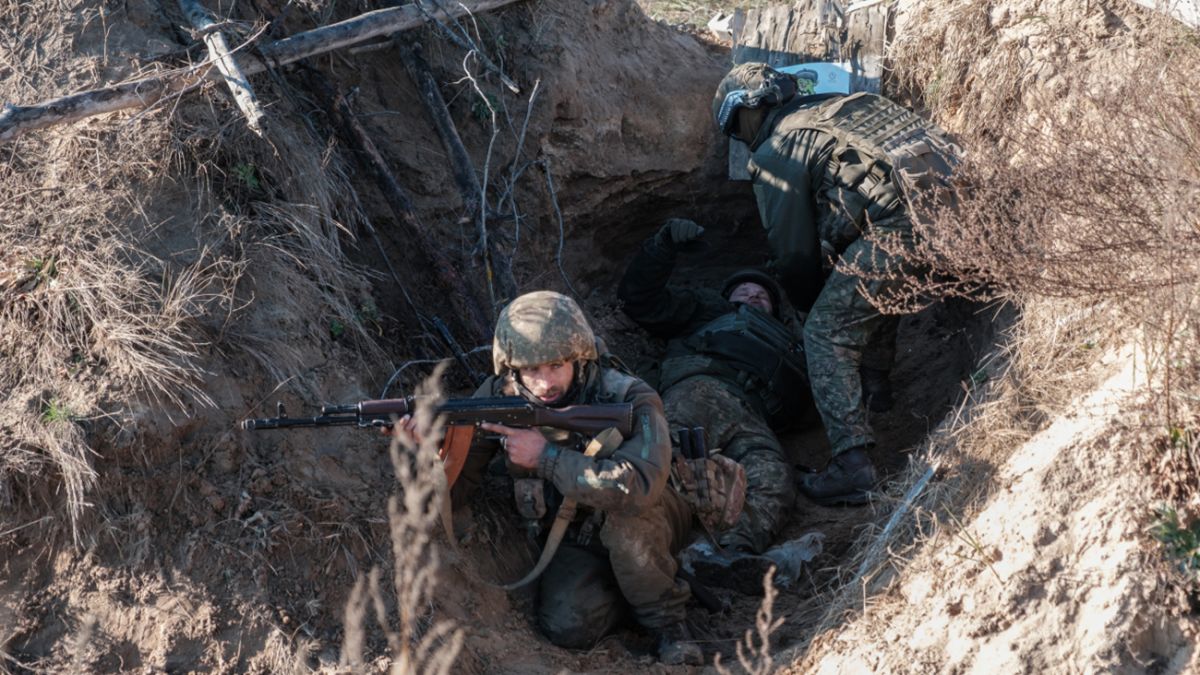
549, 382
750, 293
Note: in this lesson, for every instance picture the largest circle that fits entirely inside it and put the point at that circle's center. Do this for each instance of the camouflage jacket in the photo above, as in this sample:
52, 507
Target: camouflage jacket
628, 479
821, 168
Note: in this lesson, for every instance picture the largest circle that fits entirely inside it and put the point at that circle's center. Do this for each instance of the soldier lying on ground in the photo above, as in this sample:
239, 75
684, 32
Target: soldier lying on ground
735, 368
826, 169
619, 552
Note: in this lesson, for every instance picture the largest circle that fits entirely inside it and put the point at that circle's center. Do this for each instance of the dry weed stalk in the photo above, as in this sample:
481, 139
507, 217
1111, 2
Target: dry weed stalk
417, 643
754, 650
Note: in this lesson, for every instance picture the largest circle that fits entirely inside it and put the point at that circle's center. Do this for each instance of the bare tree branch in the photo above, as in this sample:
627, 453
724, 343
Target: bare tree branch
143, 93
219, 53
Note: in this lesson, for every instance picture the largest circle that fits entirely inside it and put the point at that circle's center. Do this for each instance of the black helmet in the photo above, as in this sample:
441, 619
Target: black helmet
759, 277
753, 86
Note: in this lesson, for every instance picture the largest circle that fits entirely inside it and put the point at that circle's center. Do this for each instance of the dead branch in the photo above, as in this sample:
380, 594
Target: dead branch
460, 296
472, 191
143, 93
464, 42
460, 162
219, 53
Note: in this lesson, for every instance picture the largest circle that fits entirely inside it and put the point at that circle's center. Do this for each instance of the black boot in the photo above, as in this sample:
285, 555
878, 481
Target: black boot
847, 480
733, 568
876, 389
677, 647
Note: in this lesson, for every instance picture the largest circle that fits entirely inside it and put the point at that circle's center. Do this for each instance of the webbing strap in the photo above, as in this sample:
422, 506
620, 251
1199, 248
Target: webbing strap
606, 441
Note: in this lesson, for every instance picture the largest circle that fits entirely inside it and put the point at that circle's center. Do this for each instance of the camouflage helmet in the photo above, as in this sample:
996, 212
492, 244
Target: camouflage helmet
541, 327
755, 276
750, 85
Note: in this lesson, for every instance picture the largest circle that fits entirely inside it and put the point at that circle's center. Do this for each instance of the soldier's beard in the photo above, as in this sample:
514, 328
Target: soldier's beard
557, 397
551, 396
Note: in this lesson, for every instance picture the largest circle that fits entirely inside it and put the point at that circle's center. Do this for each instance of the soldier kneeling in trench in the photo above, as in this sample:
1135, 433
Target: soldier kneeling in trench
619, 553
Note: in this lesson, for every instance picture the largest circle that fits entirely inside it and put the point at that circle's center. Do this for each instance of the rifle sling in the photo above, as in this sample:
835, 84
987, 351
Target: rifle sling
605, 441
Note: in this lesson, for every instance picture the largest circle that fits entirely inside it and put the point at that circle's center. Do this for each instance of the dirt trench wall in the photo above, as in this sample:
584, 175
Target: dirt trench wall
1046, 565
240, 550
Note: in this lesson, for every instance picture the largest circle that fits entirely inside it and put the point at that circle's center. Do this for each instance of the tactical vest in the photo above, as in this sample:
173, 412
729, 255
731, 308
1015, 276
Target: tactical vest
754, 351
886, 155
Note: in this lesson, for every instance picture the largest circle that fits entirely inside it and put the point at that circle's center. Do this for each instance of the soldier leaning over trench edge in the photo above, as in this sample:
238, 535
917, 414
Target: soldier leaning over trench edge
827, 169
619, 551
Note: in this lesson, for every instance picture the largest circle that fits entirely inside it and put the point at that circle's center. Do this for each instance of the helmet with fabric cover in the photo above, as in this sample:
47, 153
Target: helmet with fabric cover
755, 276
541, 327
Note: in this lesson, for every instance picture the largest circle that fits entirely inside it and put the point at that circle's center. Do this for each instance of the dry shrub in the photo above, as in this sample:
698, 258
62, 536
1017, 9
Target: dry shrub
417, 643
1077, 205
1086, 192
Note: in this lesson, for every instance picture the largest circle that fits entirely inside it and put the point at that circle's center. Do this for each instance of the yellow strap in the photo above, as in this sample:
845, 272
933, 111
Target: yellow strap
605, 441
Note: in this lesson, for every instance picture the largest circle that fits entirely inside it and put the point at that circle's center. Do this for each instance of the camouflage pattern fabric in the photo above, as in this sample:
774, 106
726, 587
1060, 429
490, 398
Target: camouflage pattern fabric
842, 326
742, 435
587, 589
541, 327
821, 177
645, 521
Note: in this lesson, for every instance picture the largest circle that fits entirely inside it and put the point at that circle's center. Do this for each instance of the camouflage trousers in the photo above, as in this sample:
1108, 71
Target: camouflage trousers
845, 332
742, 434
588, 589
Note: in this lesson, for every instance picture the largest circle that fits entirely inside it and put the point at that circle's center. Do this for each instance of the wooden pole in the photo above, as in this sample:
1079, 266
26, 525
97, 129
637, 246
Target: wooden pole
139, 94
218, 51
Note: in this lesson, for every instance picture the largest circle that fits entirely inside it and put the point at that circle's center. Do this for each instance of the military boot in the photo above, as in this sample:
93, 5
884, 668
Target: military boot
876, 389
733, 568
847, 480
676, 646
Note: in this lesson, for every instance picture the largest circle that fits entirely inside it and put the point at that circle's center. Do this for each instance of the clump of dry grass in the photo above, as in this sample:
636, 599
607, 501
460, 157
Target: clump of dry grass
417, 643
134, 261
754, 649
87, 312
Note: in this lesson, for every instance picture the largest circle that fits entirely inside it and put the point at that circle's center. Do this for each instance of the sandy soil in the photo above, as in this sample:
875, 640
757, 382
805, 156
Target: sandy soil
211, 550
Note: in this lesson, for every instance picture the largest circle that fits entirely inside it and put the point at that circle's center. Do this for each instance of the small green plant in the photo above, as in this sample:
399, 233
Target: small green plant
54, 411
247, 175
1181, 438
336, 329
42, 270
481, 107
368, 315
1181, 542
76, 363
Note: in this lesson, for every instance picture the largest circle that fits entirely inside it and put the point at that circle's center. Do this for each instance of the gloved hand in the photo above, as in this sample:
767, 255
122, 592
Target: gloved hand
676, 232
